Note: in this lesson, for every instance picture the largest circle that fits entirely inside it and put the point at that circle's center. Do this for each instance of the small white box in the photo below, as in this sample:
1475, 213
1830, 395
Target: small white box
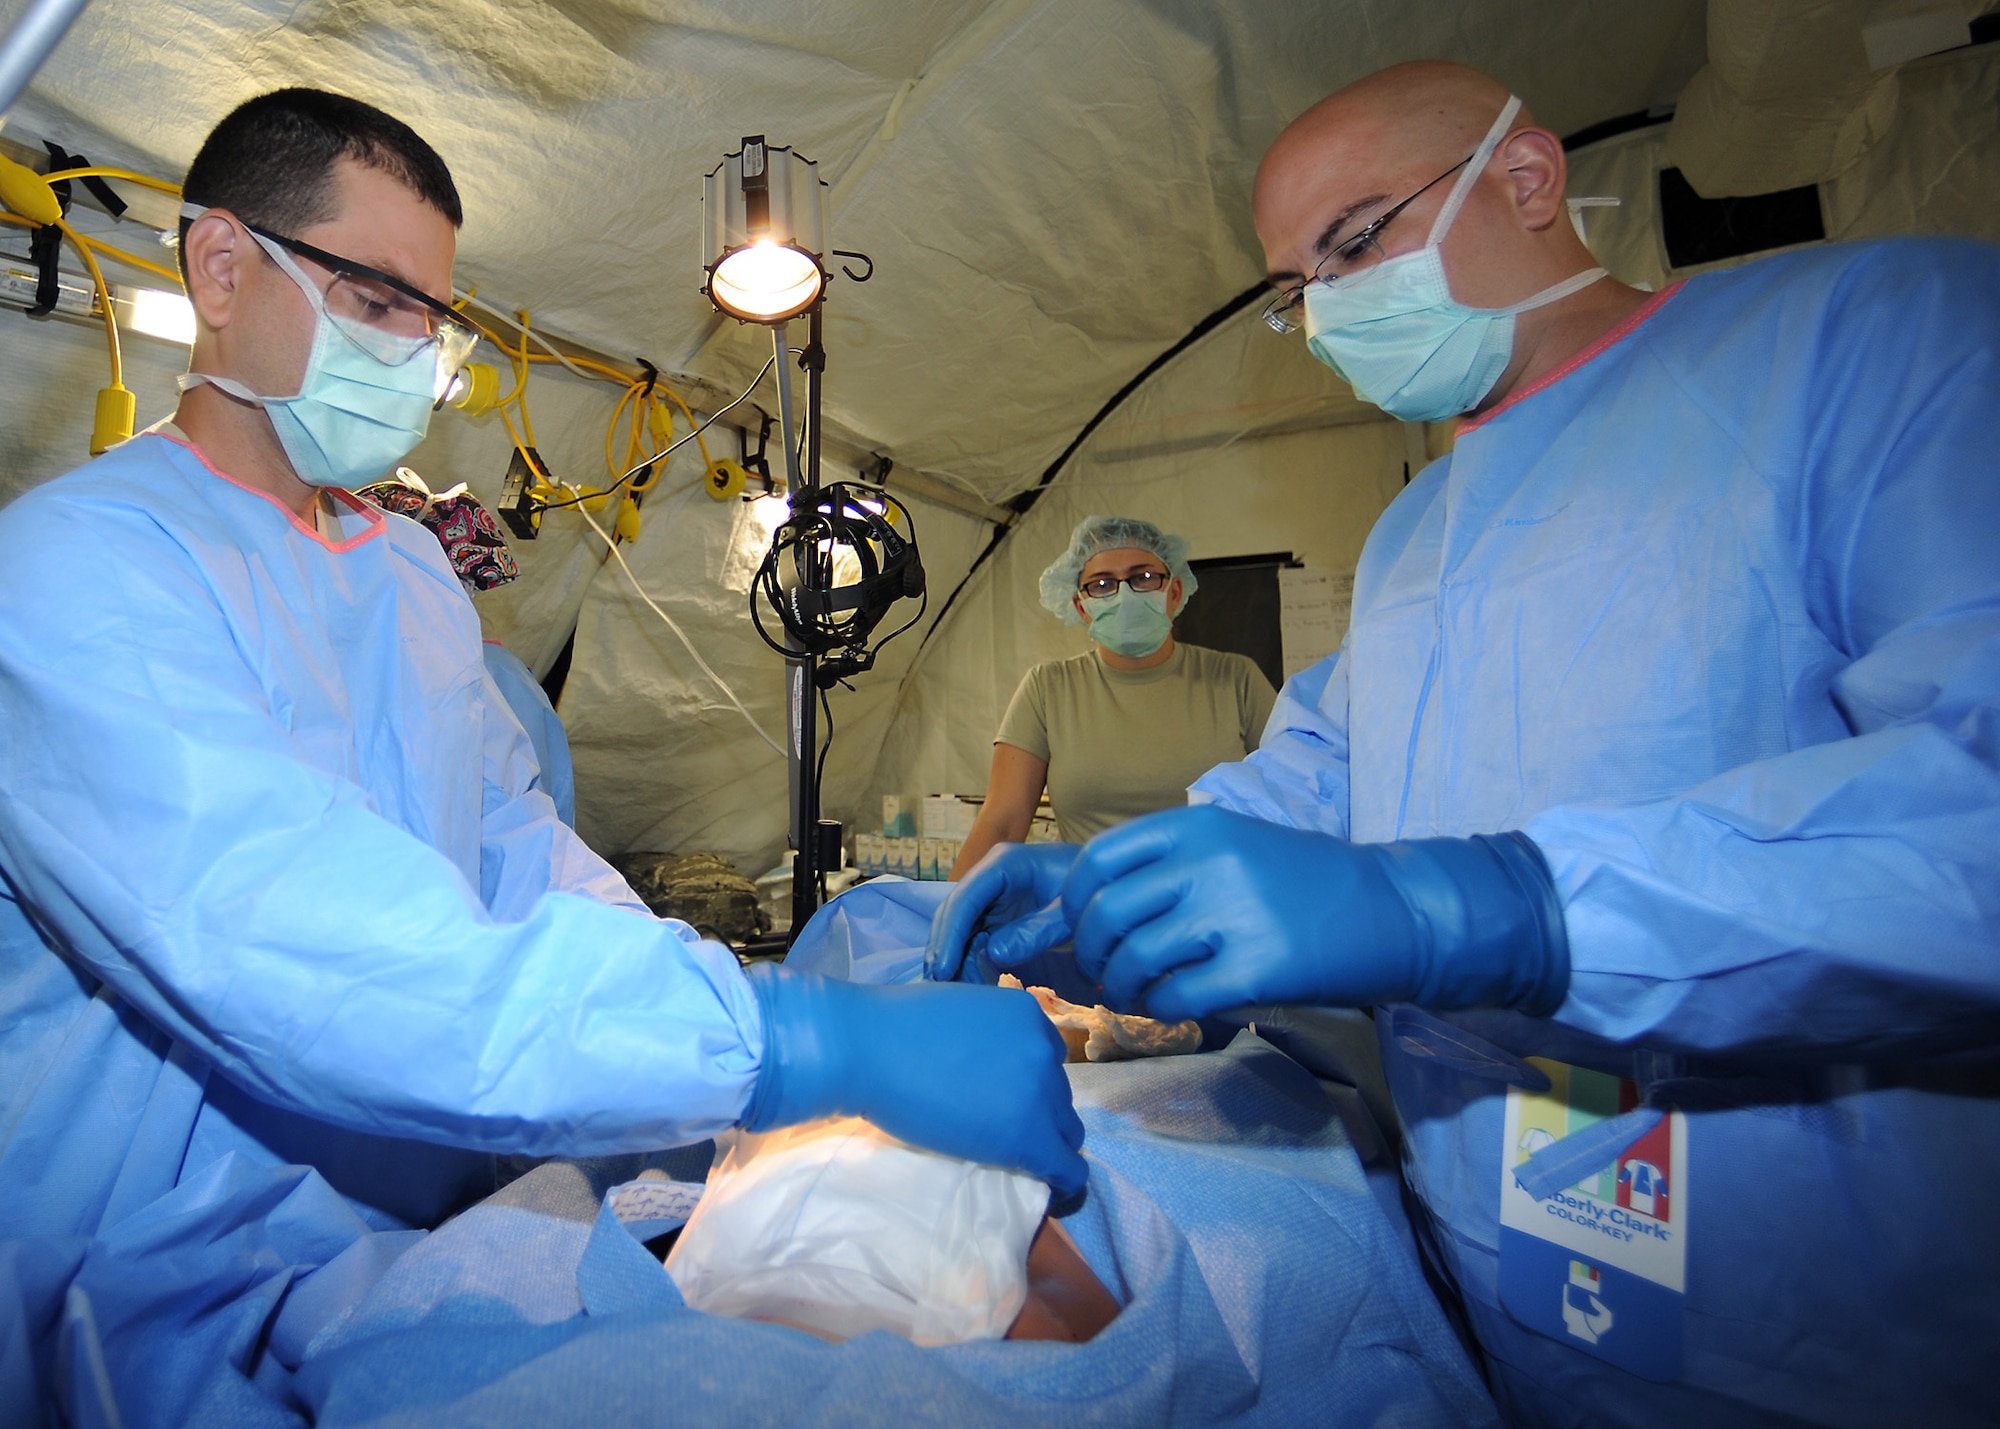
945, 816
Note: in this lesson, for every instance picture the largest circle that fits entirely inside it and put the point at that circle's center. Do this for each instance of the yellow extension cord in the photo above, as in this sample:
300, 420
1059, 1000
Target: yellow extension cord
648, 416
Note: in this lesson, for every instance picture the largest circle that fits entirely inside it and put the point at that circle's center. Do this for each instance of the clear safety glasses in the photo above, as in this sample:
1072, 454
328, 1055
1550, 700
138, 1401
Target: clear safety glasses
1286, 312
1098, 587
386, 317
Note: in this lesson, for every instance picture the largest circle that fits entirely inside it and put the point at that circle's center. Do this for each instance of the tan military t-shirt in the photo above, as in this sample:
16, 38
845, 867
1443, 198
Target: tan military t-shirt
1124, 743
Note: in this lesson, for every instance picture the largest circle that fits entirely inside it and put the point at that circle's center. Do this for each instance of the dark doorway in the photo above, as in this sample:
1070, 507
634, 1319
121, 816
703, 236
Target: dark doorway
1237, 609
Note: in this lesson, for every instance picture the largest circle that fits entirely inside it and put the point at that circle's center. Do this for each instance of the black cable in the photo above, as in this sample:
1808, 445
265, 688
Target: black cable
1622, 124
1194, 335
819, 769
993, 542
608, 491
652, 461
923, 604
808, 539
1021, 501
819, 778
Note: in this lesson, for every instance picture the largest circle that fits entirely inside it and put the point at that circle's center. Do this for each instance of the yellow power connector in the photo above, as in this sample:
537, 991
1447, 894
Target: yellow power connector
477, 391
627, 529
116, 408
725, 479
27, 193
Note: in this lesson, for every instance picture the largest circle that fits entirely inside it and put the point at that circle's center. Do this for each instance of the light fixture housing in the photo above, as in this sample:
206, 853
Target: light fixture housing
763, 233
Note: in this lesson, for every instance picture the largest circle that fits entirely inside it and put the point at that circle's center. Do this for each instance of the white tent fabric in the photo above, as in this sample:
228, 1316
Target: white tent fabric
1053, 191
1934, 167
1792, 96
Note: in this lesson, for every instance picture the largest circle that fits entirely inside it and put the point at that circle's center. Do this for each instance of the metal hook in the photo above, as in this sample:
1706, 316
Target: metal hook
857, 277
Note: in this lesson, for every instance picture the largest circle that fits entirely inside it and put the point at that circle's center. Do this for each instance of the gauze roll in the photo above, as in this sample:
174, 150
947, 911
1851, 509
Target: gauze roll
837, 1227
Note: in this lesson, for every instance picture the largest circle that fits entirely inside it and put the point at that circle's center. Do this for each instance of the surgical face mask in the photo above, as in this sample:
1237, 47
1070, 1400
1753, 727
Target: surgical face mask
1395, 333
1130, 623
365, 400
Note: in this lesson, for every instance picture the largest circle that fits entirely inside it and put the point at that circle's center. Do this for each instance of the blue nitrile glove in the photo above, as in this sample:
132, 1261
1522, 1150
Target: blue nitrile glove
975, 1072
1189, 911
1006, 908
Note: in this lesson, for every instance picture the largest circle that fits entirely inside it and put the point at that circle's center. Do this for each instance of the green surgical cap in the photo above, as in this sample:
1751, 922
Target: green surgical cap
1110, 533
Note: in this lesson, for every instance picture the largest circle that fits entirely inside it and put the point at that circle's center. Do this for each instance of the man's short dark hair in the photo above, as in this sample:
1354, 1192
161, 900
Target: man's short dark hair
270, 162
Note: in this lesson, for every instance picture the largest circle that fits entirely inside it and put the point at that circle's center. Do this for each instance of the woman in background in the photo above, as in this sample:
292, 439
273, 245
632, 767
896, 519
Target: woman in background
1125, 727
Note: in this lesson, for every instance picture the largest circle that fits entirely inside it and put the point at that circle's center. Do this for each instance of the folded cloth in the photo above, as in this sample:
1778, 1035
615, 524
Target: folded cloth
837, 1227
1226, 1211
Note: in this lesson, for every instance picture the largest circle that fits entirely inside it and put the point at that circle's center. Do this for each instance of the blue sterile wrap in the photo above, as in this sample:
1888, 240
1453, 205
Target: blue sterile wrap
1227, 1212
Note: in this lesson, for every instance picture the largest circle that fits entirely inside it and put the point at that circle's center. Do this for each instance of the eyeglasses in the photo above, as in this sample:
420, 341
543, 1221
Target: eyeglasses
1098, 587
1286, 312
388, 317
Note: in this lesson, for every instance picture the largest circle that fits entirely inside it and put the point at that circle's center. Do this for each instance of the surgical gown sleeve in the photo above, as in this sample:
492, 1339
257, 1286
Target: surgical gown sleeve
1298, 775
157, 823
526, 847
1842, 898
523, 695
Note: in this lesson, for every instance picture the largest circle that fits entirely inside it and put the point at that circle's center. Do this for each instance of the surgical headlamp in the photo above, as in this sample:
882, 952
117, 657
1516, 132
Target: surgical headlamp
835, 567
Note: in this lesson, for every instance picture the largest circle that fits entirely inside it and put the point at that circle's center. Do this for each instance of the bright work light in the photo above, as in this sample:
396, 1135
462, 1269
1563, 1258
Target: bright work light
157, 313
763, 252
763, 233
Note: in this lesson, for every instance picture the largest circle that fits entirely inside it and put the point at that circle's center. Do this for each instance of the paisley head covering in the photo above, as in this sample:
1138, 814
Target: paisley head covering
470, 536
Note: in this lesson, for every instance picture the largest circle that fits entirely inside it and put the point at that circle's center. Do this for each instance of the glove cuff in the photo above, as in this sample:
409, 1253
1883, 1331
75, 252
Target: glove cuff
804, 1068
1491, 924
1541, 980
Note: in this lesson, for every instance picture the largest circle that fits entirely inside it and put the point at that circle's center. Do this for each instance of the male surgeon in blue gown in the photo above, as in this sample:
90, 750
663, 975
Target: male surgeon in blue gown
277, 881
1652, 802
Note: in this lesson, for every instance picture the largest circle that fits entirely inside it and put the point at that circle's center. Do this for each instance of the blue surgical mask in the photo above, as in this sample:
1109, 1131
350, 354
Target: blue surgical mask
1129, 622
359, 409
1395, 333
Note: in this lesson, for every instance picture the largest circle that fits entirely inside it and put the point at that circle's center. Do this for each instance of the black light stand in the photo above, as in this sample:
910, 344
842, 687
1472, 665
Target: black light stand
764, 225
837, 565
816, 842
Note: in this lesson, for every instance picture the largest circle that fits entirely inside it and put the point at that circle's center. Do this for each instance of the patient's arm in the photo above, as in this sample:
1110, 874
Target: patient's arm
1066, 1300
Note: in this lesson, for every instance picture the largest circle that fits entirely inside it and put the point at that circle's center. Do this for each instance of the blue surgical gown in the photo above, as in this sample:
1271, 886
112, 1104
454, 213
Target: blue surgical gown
278, 879
1714, 616
524, 696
